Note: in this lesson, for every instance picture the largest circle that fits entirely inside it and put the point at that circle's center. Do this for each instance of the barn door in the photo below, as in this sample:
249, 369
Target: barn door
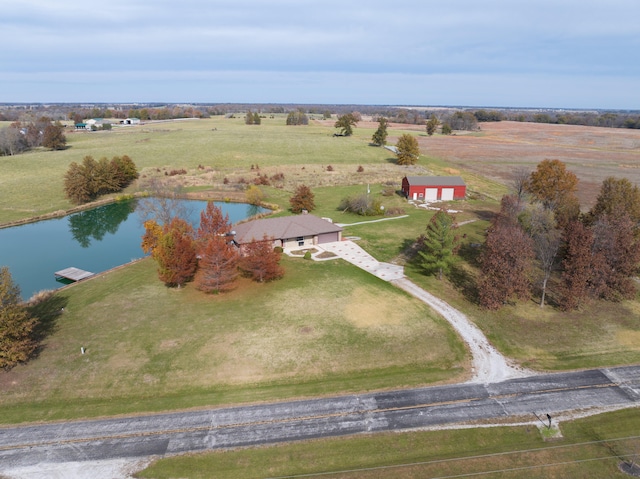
447, 194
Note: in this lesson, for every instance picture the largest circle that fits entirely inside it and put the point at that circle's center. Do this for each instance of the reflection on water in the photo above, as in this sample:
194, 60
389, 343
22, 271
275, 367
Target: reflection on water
95, 240
99, 221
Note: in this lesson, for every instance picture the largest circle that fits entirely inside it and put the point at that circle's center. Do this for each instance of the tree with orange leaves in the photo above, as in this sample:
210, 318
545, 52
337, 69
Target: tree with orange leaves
261, 261
175, 253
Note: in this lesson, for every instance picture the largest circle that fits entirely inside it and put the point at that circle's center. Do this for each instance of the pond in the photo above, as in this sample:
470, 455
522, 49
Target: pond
95, 240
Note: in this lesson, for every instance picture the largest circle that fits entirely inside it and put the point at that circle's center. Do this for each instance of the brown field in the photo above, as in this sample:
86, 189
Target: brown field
593, 154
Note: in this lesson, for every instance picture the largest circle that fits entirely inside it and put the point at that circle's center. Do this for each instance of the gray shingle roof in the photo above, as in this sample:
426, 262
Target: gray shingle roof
285, 227
435, 181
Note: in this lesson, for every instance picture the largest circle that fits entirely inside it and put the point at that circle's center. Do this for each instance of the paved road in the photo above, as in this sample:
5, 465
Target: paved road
167, 434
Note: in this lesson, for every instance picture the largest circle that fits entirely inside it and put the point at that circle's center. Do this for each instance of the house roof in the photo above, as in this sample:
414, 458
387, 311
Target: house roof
283, 228
435, 181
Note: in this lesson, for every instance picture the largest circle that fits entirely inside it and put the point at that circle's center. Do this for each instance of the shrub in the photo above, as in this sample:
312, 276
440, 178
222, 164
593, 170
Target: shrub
329, 168
364, 205
307, 255
360, 169
395, 211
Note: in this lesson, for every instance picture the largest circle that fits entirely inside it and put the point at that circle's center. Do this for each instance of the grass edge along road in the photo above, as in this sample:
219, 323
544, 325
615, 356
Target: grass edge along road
591, 447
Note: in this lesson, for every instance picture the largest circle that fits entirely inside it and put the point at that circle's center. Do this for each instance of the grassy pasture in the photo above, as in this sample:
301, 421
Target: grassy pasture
32, 183
591, 448
325, 328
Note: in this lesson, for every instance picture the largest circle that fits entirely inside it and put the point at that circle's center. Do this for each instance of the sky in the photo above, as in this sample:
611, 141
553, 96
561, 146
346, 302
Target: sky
574, 54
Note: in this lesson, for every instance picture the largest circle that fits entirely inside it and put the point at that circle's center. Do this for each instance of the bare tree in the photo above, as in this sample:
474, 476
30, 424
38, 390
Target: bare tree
163, 204
540, 224
518, 183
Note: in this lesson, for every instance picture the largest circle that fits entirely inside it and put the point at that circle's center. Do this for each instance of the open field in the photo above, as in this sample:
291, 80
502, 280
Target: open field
590, 448
593, 154
325, 327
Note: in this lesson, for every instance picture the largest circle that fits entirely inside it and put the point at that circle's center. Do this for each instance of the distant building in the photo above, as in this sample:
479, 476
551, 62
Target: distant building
434, 188
130, 121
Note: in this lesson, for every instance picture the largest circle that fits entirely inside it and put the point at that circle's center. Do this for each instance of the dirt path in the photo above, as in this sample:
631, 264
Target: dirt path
489, 366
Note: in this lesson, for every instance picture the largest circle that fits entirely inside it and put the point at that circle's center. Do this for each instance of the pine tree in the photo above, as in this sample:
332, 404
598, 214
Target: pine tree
16, 325
380, 136
432, 125
440, 243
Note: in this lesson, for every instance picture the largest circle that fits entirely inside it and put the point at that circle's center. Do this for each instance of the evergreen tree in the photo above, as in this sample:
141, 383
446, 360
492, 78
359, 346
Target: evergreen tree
440, 243
379, 138
432, 125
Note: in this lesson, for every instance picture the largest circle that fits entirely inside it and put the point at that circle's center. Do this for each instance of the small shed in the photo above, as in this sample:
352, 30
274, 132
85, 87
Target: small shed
434, 188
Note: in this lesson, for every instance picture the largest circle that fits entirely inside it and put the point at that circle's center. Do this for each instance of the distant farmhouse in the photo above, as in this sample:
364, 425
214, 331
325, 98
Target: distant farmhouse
434, 188
130, 121
93, 124
289, 231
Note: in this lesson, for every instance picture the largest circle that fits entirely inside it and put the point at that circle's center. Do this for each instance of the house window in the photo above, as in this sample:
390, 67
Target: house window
300, 240
421, 195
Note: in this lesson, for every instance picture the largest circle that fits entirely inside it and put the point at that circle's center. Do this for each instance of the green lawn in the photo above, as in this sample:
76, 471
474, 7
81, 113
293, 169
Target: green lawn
591, 448
326, 328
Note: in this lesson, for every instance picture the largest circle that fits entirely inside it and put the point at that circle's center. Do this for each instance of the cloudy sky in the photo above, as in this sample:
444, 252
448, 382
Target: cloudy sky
503, 53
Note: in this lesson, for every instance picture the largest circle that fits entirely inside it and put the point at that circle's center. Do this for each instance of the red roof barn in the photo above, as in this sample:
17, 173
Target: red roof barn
433, 188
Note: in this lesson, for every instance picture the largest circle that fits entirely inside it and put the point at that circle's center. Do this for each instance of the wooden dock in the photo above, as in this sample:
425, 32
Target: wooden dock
73, 274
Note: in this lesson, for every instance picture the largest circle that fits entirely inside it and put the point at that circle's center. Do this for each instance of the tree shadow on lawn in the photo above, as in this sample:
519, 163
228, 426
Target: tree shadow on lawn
47, 310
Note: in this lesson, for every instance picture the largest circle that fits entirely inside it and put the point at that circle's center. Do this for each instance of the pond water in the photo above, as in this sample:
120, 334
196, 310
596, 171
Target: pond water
94, 240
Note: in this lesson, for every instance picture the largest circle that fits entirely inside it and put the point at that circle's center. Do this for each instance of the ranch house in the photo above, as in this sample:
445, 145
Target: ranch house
434, 188
299, 231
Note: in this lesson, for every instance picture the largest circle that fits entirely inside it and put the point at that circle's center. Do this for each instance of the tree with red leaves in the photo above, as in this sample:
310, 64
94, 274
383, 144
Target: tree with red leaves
615, 240
302, 199
212, 223
175, 253
261, 261
506, 260
217, 266
579, 267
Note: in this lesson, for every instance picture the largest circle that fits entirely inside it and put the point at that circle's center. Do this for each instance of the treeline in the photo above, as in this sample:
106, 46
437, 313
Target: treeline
415, 116
540, 234
23, 136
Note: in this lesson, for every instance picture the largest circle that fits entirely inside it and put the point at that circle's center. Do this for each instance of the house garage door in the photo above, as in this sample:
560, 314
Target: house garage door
431, 194
447, 194
327, 238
